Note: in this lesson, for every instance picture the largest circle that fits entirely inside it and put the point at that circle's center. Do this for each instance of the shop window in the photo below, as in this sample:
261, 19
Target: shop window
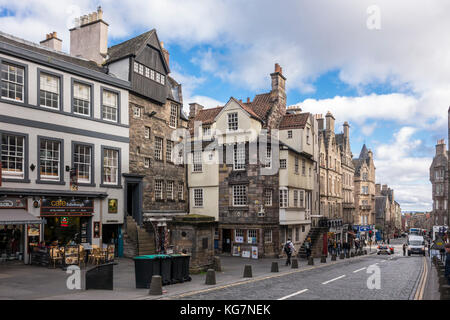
239, 235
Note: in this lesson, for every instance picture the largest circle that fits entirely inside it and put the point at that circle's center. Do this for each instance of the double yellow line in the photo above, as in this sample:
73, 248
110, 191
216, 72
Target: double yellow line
422, 282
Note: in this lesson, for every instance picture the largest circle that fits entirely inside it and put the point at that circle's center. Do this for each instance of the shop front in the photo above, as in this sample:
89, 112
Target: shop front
67, 220
18, 228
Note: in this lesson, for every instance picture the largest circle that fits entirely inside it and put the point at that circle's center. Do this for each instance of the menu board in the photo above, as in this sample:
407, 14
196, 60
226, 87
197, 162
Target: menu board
71, 255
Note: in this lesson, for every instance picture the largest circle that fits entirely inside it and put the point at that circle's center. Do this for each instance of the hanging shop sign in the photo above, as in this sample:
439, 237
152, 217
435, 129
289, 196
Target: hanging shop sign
112, 205
66, 207
13, 203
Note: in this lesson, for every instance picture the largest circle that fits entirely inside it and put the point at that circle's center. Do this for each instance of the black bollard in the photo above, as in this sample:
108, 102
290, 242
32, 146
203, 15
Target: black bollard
323, 259
333, 257
274, 267
248, 271
156, 286
310, 261
294, 263
342, 256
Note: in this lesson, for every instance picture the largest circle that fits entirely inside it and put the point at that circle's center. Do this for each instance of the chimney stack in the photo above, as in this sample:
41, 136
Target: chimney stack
294, 109
51, 41
89, 37
166, 54
378, 189
194, 109
346, 130
440, 147
330, 121
319, 119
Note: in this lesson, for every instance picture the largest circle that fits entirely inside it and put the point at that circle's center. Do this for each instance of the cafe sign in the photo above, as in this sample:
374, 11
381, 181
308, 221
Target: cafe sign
13, 203
66, 207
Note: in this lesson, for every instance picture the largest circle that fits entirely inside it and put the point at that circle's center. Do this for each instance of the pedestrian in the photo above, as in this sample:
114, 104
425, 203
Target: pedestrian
404, 249
289, 249
308, 247
15, 240
447, 262
339, 248
344, 246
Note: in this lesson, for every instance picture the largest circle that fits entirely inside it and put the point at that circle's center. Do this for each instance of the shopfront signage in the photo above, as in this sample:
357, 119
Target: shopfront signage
66, 207
13, 203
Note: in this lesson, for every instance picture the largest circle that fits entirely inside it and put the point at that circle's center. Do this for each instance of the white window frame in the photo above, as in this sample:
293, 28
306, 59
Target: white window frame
268, 196
197, 194
159, 148
137, 112
169, 190
147, 132
81, 99
48, 157
240, 195
301, 198
239, 157
12, 151
77, 150
173, 115
159, 189
180, 191
296, 198
110, 166
268, 236
284, 198
46, 89
233, 121
283, 163
110, 110
169, 150
197, 161
147, 162
13, 69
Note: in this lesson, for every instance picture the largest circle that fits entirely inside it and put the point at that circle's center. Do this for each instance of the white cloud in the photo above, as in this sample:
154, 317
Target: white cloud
367, 129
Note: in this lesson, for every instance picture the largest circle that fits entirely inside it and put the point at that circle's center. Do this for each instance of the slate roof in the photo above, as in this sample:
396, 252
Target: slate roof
129, 47
294, 121
34, 47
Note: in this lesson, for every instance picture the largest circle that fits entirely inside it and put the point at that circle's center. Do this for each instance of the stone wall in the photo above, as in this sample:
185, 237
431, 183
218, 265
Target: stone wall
158, 170
194, 234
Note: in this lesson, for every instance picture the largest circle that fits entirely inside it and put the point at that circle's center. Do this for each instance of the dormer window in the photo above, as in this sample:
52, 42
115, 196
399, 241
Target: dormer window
233, 121
206, 131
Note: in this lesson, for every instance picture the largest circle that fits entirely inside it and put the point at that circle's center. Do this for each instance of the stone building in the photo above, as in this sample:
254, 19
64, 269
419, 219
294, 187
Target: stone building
364, 186
252, 168
439, 181
330, 172
348, 173
155, 186
388, 211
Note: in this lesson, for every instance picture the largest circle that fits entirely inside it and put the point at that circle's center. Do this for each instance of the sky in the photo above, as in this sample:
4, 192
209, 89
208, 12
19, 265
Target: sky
381, 65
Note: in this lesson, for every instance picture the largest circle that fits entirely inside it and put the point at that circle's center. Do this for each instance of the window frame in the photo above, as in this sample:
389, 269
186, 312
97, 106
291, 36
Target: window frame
92, 173
169, 155
266, 197
118, 109
161, 192
234, 122
194, 203
26, 157
243, 196
40, 180
284, 202
104, 184
173, 116
160, 157
197, 167
237, 150
61, 89
172, 194
72, 98
25, 82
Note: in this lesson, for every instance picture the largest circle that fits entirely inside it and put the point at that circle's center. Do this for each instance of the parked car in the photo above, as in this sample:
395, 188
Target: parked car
383, 249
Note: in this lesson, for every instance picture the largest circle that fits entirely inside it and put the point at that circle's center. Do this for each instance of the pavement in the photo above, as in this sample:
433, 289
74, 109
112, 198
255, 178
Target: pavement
400, 274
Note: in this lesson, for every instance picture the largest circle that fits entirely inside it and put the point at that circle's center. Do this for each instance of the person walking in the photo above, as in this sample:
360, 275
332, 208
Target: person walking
308, 247
404, 249
289, 249
447, 262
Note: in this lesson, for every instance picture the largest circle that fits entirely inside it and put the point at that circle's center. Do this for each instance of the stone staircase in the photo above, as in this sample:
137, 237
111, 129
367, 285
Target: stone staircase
137, 241
316, 235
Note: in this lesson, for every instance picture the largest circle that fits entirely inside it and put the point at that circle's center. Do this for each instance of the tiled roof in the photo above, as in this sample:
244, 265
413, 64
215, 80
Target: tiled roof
294, 121
249, 109
207, 116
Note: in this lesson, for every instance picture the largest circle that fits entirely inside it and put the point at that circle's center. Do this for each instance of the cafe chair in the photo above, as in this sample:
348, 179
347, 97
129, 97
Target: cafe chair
82, 256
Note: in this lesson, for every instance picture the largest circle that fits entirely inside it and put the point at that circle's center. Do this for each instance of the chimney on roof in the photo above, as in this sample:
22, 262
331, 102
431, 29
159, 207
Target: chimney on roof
378, 189
51, 41
440, 147
166, 54
319, 119
330, 121
194, 109
346, 130
277, 97
89, 37
248, 100
294, 109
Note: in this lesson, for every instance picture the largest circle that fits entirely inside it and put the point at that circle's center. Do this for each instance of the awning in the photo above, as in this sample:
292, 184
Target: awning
17, 216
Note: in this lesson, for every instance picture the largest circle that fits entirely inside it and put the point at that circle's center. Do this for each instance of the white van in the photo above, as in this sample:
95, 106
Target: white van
416, 245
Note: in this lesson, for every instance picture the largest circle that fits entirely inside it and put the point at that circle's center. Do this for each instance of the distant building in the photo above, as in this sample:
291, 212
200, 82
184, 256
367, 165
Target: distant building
439, 181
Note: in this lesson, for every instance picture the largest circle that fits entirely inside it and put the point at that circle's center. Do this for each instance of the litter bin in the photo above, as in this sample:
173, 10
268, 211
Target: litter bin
100, 277
165, 269
144, 268
177, 268
185, 267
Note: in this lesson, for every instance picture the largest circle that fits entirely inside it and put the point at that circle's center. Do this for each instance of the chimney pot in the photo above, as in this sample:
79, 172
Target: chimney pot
248, 100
